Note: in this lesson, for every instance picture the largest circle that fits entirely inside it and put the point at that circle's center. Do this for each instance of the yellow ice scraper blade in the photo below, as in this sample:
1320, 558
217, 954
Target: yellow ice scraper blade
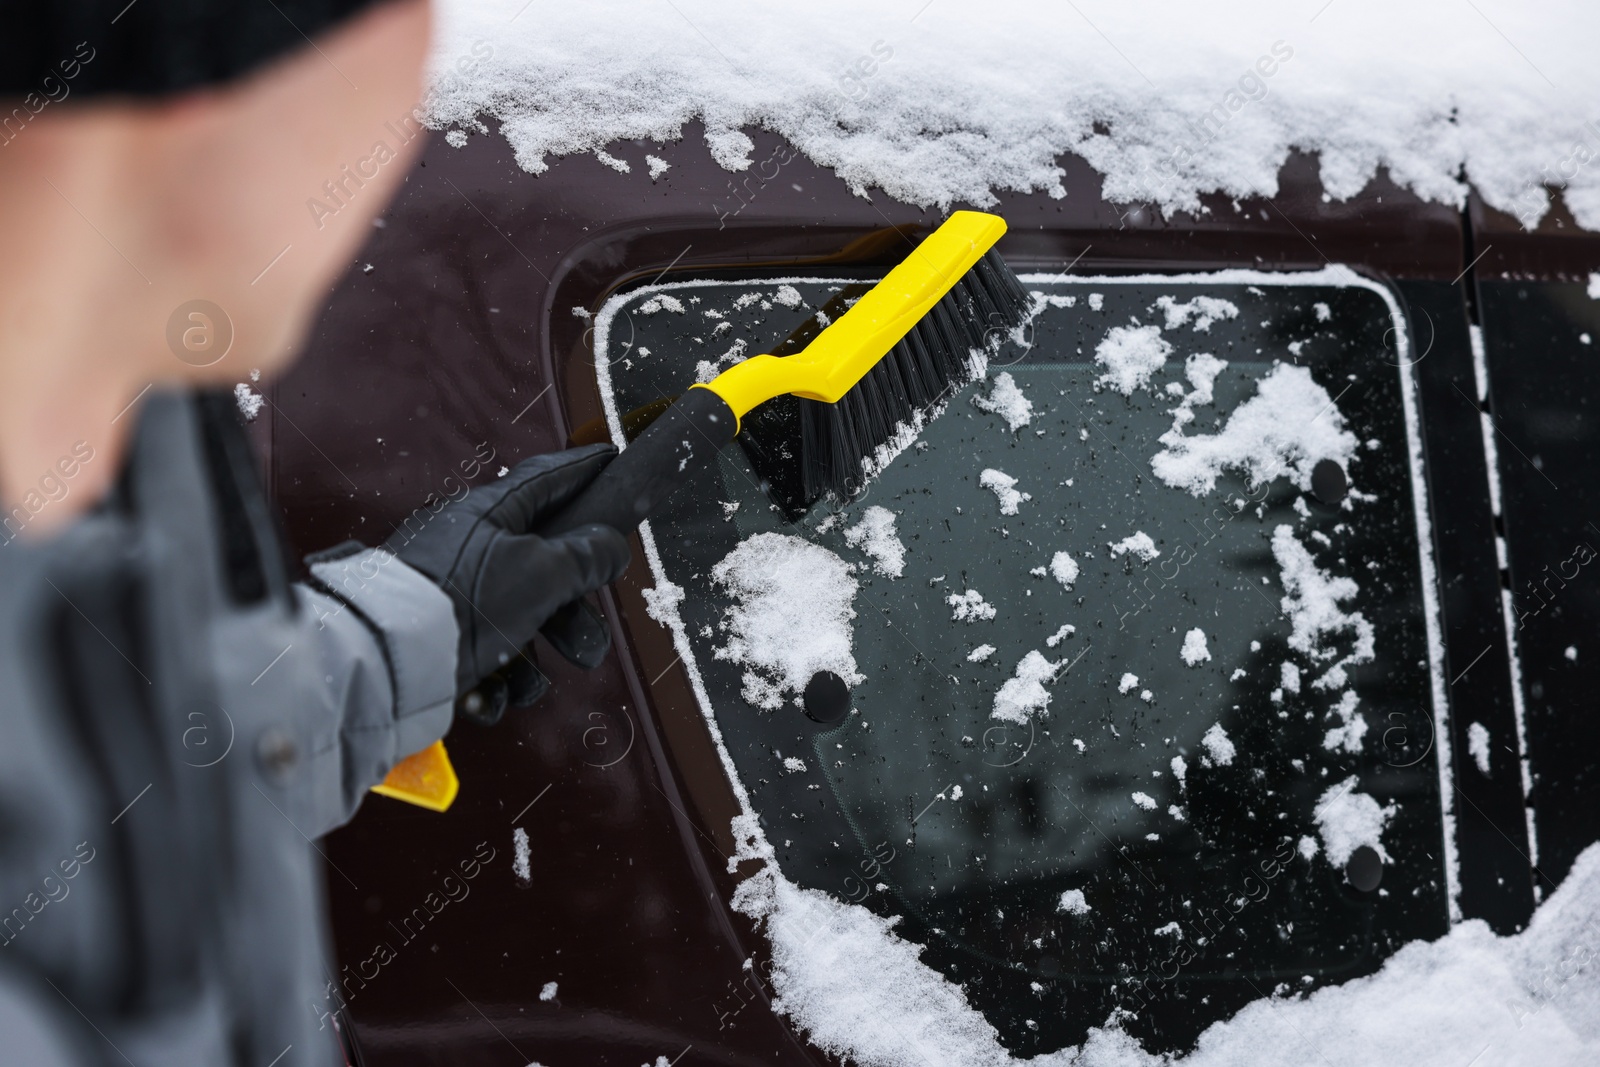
836, 359
424, 778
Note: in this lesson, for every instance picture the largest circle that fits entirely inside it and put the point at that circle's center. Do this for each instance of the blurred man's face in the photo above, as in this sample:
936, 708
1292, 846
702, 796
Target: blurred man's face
189, 240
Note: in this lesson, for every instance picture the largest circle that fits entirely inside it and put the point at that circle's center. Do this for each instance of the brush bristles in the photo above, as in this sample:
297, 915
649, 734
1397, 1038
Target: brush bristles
927, 366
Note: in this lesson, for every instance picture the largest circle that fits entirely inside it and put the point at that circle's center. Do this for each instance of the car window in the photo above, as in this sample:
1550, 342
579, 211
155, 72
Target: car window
1140, 718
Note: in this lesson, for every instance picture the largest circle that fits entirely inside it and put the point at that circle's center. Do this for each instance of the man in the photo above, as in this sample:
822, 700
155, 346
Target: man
182, 719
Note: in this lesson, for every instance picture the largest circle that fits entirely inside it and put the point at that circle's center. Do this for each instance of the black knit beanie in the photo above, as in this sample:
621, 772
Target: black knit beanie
53, 49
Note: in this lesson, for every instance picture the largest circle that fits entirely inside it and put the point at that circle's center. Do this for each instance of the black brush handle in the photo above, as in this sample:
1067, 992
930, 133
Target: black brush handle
655, 464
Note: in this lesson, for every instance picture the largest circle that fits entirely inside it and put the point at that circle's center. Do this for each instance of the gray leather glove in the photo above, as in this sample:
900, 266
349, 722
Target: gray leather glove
508, 583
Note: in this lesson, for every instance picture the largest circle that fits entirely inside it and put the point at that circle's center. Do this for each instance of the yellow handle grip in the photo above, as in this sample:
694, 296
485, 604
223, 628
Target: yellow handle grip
424, 778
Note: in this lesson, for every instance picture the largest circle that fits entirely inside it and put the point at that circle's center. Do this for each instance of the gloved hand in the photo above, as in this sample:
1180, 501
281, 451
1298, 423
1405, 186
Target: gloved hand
508, 583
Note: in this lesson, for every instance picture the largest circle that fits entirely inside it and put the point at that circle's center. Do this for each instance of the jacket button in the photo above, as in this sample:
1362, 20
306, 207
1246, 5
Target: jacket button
276, 753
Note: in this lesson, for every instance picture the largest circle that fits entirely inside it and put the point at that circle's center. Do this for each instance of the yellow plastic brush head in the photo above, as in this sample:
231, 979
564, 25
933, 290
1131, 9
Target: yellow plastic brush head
847, 349
905, 346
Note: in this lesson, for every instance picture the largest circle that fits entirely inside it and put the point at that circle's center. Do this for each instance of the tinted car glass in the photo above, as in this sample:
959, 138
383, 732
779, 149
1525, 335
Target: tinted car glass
1158, 845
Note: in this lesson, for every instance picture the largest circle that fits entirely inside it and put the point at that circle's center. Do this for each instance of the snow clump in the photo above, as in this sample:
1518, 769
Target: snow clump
1194, 651
1347, 820
1064, 569
875, 535
1287, 427
792, 616
1004, 488
249, 401
1311, 602
1072, 903
1024, 694
1218, 745
1007, 401
660, 302
1131, 354
1478, 746
1139, 543
969, 606
1203, 309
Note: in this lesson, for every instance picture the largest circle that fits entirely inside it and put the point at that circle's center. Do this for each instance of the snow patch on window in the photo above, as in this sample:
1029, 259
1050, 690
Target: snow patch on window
1351, 729
792, 616
249, 401
1004, 488
838, 971
876, 536
981, 653
1347, 820
1131, 354
1006, 400
1287, 427
1218, 745
1203, 309
1072, 903
1064, 569
1139, 543
1289, 676
1024, 696
1312, 602
1194, 651
1202, 369
521, 857
661, 603
969, 606
660, 302
1478, 746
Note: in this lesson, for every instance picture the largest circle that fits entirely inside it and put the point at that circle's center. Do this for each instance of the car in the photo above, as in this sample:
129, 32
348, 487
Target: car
1090, 848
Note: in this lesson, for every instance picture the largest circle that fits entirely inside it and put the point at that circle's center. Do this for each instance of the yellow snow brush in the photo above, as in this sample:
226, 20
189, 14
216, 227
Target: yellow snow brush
904, 346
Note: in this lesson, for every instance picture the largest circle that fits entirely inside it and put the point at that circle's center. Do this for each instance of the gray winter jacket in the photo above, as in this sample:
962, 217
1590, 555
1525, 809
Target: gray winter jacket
169, 697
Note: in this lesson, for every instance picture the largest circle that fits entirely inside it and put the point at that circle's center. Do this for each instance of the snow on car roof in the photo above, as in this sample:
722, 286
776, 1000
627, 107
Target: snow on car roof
945, 102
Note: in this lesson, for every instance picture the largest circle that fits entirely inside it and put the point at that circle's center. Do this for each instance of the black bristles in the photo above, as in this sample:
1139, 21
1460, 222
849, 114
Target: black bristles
933, 361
